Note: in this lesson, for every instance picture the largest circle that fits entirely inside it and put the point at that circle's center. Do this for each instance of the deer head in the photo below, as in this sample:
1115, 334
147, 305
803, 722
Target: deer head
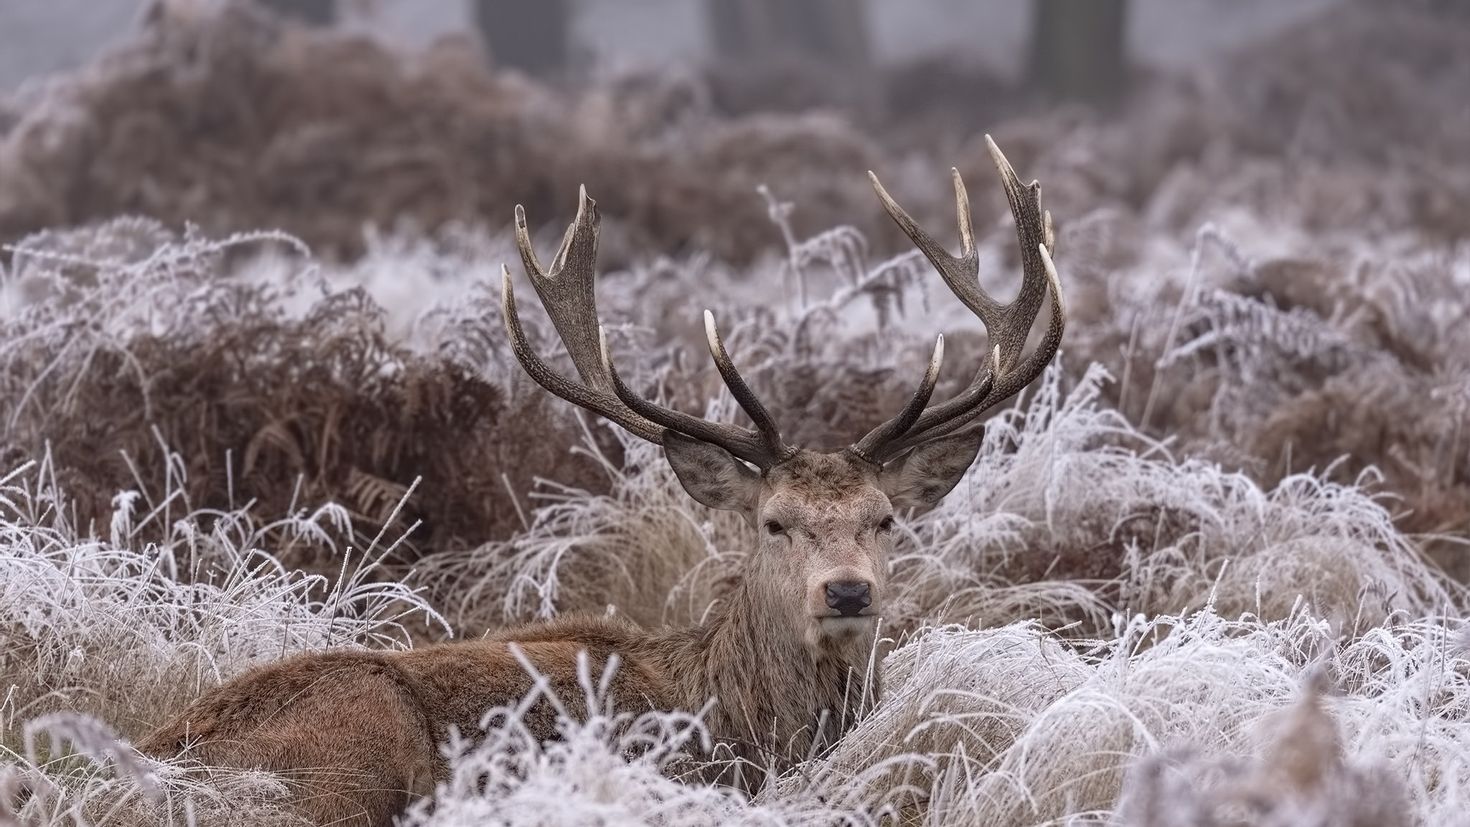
825, 520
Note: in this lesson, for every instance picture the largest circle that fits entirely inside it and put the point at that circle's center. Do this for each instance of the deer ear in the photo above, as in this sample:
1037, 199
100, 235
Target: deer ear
924, 475
711, 474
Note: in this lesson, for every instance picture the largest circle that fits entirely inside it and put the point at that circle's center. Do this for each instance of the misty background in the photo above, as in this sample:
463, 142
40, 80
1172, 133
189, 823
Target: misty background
42, 37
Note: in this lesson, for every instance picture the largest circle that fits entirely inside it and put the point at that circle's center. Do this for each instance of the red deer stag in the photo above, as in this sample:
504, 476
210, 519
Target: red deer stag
785, 655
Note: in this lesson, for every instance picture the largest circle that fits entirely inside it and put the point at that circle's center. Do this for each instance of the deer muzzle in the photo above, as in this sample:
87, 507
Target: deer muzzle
849, 598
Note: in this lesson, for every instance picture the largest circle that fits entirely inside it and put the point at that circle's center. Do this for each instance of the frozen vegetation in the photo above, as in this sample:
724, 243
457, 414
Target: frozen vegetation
1208, 571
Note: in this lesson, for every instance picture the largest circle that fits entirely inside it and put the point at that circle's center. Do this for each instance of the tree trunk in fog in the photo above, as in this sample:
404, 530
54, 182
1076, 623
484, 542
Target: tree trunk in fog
1078, 51
791, 55
533, 36
314, 12
1451, 9
830, 31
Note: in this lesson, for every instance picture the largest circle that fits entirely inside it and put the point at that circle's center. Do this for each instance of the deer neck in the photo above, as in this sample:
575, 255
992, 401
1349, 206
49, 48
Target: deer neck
778, 695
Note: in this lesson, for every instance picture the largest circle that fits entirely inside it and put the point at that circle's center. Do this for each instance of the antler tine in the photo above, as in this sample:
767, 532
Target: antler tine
743, 443
1011, 382
962, 272
980, 390
1000, 387
765, 424
1033, 232
1007, 325
567, 292
875, 439
599, 402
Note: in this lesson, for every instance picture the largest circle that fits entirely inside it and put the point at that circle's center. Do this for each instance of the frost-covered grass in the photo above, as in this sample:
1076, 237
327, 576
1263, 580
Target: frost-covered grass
1243, 721
103, 635
991, 722
1196, 578
130, 631
1098, 623
1095, 625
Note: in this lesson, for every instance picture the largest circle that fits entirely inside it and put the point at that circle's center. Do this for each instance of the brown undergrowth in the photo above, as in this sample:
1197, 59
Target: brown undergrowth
159, 373
203, 117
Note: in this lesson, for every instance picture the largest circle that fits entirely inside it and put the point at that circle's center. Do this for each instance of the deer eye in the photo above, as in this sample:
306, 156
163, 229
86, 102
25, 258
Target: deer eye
774, 528
886, 524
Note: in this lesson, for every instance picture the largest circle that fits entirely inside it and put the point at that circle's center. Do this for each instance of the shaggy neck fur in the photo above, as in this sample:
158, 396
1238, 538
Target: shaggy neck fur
778, 698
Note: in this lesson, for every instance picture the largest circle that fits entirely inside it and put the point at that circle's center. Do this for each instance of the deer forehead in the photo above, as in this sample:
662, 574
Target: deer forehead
824, 486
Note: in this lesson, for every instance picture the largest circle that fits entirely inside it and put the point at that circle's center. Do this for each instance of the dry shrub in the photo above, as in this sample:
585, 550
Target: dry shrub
208, 107
1297, 777
1011, 726
1072, 506
608, 767
204, 117
1337, 122
259, 148
1339, 363
285, 394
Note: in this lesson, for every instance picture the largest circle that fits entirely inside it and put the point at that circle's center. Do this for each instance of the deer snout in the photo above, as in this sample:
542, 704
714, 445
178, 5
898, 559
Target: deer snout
849, 597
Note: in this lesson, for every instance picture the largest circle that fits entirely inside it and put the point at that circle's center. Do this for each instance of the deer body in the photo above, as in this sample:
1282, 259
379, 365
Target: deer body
355, 734
786, 656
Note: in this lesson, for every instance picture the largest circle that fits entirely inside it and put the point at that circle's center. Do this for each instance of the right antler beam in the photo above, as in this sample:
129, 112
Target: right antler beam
1007, 325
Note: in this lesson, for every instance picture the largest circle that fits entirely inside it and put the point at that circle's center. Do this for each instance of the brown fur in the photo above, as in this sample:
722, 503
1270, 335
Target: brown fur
356, 732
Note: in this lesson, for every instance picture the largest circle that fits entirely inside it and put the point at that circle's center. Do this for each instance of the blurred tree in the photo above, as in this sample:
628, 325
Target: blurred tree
314, 12
1078, 50
1450, 9
832, 31
790, 55
533, 36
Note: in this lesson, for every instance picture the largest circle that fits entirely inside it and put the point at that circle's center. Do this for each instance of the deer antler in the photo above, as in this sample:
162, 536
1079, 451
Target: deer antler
566, 290
1007, 325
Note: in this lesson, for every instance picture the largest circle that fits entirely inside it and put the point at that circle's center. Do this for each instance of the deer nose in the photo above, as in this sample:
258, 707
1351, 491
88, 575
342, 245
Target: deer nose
849, 597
